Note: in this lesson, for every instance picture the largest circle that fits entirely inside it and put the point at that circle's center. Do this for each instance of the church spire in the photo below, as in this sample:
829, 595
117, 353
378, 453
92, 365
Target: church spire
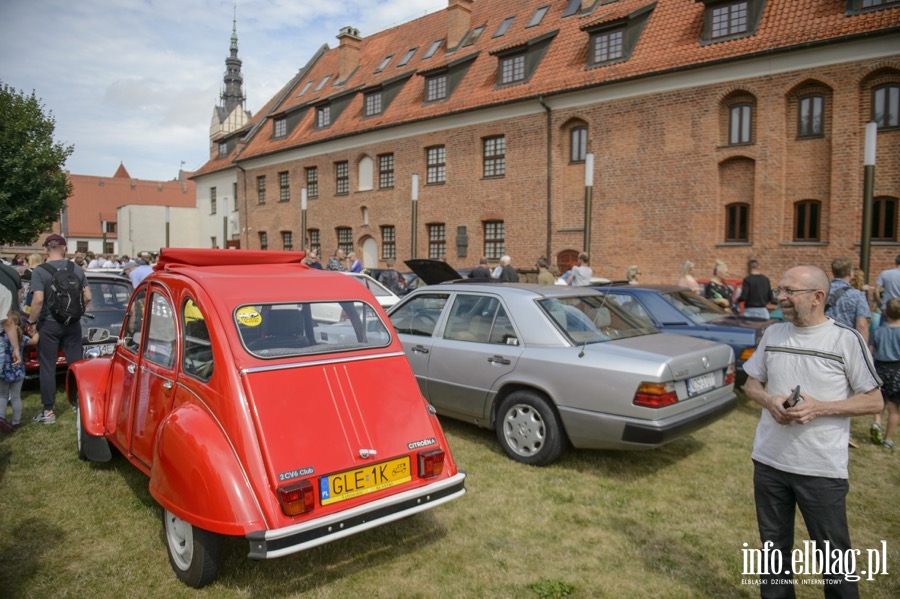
233, 93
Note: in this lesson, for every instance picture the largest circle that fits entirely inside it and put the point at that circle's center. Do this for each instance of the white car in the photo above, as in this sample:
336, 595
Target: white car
385, 296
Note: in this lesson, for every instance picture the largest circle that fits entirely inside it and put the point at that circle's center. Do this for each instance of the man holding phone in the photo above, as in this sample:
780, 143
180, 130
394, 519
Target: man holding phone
800, 452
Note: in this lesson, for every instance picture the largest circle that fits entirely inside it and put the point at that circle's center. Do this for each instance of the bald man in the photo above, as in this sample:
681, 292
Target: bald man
800, 453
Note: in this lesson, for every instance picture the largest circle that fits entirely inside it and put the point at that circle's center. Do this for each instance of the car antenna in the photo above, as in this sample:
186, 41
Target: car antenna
583, 345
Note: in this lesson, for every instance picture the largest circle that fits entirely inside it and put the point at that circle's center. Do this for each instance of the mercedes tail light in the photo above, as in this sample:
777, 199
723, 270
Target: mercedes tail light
655, 395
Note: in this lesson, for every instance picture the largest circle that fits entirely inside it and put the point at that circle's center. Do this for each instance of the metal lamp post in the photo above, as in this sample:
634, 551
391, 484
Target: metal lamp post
868, 187
415, 213
588, 199
303, 218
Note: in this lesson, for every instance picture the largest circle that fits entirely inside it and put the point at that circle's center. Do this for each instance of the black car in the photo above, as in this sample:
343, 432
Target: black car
101, 322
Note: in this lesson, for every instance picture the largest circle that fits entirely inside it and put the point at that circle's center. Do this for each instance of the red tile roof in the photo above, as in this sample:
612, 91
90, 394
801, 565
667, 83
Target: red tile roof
671, 39
96, 198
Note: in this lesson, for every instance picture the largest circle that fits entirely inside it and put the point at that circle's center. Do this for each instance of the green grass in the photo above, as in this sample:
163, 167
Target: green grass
669, 523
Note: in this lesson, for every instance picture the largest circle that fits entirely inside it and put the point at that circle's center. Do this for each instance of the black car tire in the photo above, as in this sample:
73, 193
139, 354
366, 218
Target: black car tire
194, 553
529, 429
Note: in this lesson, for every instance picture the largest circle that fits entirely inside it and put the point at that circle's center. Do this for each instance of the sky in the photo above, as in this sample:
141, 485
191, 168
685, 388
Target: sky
135, 81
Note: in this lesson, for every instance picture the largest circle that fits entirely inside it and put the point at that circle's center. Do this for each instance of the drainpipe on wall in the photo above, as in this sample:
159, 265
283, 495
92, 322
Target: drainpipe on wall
549, 178
245, 223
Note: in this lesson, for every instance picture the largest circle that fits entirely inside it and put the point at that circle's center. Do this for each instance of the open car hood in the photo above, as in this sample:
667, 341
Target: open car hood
432, 271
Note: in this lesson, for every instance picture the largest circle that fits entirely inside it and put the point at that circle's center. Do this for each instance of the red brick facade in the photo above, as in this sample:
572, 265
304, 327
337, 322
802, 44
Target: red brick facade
667, 173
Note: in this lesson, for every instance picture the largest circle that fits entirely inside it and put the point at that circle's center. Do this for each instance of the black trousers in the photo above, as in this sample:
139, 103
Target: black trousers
56, 336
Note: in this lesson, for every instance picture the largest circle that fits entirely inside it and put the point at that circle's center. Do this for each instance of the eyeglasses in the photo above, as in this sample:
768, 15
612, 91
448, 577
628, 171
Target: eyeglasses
790, 292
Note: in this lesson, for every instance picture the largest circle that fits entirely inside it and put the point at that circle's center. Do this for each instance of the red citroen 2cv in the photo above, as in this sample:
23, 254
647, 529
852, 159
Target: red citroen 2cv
264, 399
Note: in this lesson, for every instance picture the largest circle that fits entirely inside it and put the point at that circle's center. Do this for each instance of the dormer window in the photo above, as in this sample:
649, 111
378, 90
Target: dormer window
613, 41
436, 88
280, 127
729, 19
323, 116
512, 69
373, 103
607, 46
223, 149
858, 6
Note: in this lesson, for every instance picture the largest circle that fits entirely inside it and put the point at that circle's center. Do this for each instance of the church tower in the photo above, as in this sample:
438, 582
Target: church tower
231, 114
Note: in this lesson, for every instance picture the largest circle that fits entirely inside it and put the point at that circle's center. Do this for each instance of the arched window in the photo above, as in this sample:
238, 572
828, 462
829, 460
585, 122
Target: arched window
807, 219
737, 222
578, 144
886, 106
366, 170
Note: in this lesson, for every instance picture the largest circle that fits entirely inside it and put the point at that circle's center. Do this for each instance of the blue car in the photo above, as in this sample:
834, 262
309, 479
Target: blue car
674, 309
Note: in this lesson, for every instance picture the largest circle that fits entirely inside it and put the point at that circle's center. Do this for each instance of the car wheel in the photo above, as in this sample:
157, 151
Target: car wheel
193, 552
529, 429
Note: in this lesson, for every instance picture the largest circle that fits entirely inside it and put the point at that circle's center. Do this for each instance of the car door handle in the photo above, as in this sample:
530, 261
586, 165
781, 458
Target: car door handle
167, 385
131, 368
499, 360
420, 349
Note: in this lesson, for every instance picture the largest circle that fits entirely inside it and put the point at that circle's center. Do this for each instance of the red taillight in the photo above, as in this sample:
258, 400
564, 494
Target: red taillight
298, 498
431, 463
730, 374
655, 395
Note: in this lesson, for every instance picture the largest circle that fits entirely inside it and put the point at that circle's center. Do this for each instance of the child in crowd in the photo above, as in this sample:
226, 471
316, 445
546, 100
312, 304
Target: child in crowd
886, 351
11, 377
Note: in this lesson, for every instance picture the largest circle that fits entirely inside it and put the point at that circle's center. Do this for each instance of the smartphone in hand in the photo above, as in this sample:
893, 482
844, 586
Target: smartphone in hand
792, 399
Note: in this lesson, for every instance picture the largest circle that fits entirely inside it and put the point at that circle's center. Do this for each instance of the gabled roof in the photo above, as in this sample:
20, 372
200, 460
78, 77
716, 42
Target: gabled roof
97, 198
671, 39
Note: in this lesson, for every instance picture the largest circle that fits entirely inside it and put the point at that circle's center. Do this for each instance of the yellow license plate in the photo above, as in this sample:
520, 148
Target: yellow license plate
360, 481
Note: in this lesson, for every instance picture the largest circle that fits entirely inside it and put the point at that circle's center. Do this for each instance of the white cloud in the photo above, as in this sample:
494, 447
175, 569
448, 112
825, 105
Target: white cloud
136, 80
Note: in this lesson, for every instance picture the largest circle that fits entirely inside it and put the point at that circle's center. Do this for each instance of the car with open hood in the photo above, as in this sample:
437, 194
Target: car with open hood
548, 366
254, 418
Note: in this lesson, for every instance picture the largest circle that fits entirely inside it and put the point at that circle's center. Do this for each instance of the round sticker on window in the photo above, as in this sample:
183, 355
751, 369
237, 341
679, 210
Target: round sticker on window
249, 317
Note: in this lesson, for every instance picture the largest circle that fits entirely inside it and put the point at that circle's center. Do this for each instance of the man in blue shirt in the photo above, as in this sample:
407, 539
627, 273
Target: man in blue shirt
846, 305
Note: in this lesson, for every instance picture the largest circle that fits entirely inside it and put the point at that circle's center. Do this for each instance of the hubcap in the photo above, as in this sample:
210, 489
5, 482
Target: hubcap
524, 430
180, 537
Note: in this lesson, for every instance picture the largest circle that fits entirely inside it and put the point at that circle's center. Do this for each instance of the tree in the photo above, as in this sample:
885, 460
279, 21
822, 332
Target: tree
33, 184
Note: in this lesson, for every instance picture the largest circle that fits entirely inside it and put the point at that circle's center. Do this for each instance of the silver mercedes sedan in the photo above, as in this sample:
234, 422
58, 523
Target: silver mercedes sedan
551, 366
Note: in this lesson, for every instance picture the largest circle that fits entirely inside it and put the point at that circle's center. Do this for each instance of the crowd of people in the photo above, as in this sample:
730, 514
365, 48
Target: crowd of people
29, 318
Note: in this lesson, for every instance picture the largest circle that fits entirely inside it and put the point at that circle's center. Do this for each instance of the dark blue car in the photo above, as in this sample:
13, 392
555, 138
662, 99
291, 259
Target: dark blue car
674, 309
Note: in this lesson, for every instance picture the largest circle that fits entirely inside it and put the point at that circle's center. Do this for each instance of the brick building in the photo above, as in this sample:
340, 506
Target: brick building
723, 129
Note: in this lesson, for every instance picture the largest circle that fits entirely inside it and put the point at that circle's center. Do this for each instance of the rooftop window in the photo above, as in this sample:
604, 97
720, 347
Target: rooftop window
538, 16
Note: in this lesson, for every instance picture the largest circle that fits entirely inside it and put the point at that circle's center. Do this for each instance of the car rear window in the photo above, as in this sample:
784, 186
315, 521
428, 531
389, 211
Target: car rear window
593, 319
294, 329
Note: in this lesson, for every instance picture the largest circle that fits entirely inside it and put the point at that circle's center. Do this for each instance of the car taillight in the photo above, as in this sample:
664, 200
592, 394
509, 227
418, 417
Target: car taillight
431, 463
730, 374
655, 395
746, 353
298, 498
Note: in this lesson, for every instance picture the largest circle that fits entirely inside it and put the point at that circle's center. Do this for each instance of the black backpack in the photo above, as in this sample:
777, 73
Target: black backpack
64, 295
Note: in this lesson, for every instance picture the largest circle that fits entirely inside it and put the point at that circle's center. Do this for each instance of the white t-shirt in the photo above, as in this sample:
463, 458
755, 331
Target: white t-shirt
829, 361
5, 303
581, 276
